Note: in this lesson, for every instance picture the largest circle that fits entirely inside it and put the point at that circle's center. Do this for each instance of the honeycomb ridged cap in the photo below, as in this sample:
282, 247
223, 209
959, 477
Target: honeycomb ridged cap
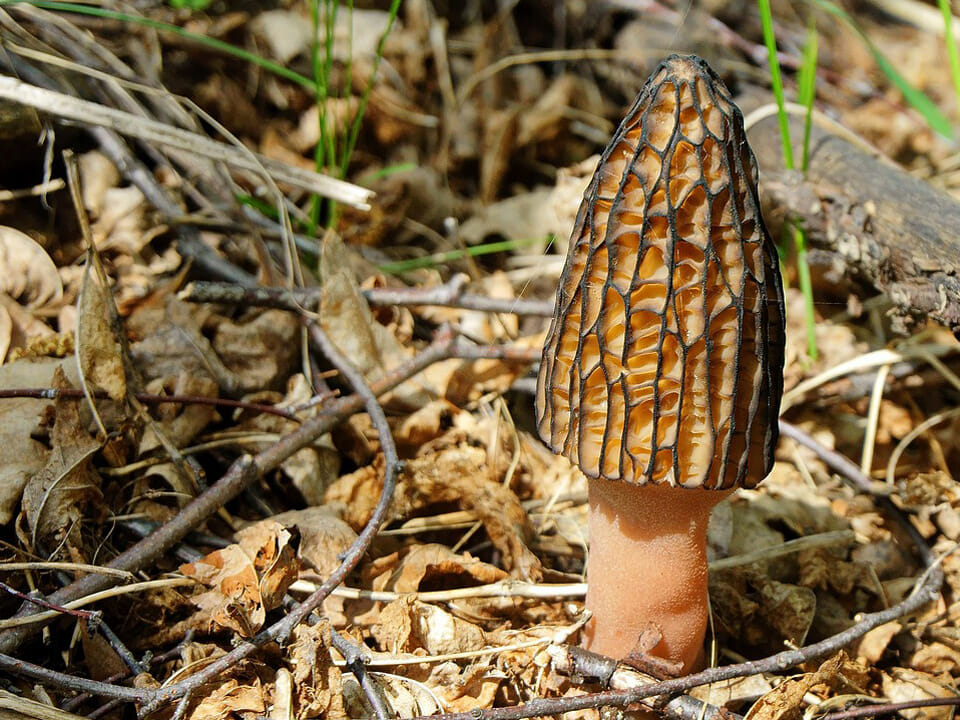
664, 360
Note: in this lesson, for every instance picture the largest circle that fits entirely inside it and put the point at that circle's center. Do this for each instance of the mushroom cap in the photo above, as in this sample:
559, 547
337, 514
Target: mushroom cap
664, 360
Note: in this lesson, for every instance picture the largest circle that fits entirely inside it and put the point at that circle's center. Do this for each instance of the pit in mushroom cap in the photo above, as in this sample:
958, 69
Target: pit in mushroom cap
664, 360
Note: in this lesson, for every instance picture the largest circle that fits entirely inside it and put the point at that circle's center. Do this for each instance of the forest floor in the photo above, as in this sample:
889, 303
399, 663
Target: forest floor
319, 395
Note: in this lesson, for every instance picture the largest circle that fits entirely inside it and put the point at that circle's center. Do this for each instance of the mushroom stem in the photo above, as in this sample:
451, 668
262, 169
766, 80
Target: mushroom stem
648, 568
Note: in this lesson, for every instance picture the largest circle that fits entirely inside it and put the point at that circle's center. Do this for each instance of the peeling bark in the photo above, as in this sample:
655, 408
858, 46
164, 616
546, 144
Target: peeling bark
881, 224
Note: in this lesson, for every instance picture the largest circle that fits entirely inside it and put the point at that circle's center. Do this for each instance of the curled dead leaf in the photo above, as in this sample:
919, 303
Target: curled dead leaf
246, 579
55, 499
27, 274
24, 456
98, 350
786, 701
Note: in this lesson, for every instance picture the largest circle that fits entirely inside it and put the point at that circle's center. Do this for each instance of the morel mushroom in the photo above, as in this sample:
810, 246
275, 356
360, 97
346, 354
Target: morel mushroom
662, 372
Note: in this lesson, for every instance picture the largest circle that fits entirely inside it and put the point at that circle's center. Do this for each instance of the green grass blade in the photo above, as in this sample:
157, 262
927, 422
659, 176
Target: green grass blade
806, 89
951, 41
776, 81
402, 266
914, 97
365, 98
806, 287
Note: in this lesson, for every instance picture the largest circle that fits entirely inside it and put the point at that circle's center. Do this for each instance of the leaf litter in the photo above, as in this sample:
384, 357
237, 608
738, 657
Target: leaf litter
478, 567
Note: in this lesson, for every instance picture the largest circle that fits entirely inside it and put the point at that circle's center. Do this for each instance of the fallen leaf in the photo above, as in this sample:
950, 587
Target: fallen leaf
97, 348
24, 456
231, 698
459, 473
323, 536
29, 275
406, 625
438, 565
901, 685
318, 684
55, 499
786, 701
245, 580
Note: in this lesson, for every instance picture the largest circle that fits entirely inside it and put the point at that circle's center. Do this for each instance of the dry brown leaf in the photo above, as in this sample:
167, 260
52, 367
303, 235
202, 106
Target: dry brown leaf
261, 348
273, 548
464, 689
27, 274
121, 226
318, 683
873, 645
459, 473
900, 685
438, 565
311, 469
233, 600
6, 332
936, 658
423, 425
245, 580
24, 456
734, 692
97, 348
406, 625
26, 332
323, 536
785, 702
180, 423
231, 699
98, 174
394, 628
370, 346
55, 499
788, 609
405, 697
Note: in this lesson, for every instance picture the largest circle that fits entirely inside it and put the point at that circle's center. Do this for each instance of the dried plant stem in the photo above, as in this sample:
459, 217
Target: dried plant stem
67, 107
281, 630
242, 473
449, 294
149, 398
890, 708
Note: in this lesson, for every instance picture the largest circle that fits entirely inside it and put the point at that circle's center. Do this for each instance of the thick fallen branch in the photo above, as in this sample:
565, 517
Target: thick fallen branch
879, 223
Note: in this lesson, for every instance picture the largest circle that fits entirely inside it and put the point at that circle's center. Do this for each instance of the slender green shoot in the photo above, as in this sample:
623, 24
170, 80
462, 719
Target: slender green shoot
776, 81
807, 78
429, 261
321, 62
365, 98
914, 97
337, 149
806, 89
952, 51
373, 175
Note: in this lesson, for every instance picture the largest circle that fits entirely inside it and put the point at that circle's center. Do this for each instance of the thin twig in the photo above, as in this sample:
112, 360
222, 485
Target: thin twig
150, 398
244, 471
62, 680
357, 662
449, 294
67, 107
89, 615
888, 708
281, 630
